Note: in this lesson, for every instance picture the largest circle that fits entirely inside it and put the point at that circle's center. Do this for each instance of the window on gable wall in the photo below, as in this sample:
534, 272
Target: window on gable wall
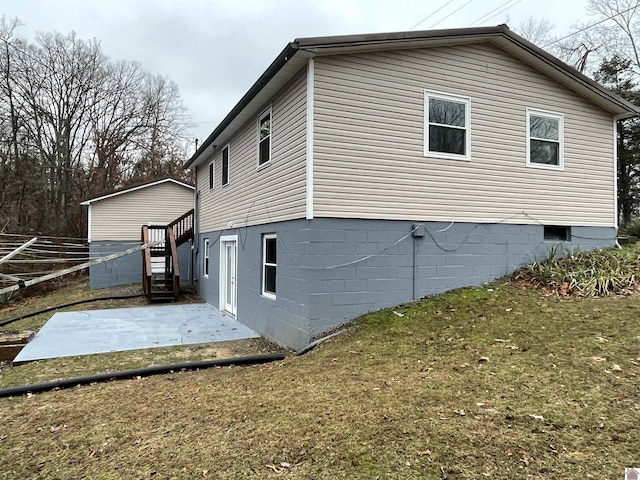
225, 165
545, 139
447, 131
264, 137
211, 175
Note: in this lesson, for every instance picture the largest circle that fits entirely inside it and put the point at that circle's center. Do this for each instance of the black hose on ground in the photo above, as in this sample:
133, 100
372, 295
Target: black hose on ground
70, 304
315, 343
137, 372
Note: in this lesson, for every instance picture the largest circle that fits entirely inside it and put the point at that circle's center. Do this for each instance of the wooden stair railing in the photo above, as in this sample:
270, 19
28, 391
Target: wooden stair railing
163, 283
176, 268
146, 262
182, 227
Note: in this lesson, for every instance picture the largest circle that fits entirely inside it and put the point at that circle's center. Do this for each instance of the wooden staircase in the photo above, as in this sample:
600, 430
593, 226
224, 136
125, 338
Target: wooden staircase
160, 268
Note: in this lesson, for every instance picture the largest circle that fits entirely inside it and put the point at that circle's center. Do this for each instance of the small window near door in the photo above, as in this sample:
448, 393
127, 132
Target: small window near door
225, 165
211, 175
205, 266
557, 233
269, 265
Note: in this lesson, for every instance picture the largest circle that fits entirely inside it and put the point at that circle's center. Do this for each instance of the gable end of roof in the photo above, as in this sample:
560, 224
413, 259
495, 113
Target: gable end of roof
135, 187
499, 35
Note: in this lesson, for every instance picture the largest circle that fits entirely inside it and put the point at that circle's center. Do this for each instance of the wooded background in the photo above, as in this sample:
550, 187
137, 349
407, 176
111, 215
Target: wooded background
75, 123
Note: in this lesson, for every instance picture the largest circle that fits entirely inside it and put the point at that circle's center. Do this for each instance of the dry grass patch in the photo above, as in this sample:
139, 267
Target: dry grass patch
479, 383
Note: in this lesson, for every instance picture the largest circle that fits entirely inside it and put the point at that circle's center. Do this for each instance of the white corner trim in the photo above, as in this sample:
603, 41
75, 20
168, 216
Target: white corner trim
615, 174
309, 165
89, 224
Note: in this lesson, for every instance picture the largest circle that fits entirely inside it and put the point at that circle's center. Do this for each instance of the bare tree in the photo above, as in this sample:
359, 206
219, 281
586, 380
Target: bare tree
620, 20
74, 123
536, 30
611, 31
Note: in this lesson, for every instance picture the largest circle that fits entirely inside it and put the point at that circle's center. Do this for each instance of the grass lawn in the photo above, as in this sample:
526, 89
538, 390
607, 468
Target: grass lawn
494, 382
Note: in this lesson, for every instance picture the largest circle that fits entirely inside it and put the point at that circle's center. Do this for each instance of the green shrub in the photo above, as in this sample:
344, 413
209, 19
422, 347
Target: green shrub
631, 229
595, 273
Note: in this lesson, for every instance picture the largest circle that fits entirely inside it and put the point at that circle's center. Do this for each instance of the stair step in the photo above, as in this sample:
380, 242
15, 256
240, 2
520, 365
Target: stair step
162, 296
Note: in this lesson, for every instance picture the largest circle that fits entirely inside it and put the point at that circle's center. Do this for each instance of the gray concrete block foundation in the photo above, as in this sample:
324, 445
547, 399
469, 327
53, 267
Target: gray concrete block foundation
330, 271
127, 269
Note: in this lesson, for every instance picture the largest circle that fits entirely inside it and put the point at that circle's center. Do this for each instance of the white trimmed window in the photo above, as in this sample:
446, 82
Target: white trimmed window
225, 165
264, 137
212, 176
205, 256
447, 126
269, 265
545, 139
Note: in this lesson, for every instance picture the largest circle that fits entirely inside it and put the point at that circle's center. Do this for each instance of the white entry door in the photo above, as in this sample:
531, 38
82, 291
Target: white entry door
228, 274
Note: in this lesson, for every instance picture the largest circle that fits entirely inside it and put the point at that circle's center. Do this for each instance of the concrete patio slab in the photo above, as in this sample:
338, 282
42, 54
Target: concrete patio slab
99, 331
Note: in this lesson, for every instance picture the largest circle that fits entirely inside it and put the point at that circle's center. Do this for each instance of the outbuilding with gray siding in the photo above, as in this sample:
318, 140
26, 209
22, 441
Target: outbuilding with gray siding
115, 219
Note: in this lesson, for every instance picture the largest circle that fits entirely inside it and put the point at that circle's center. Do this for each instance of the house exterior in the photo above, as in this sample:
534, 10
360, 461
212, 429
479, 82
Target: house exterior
114, 222
360, 172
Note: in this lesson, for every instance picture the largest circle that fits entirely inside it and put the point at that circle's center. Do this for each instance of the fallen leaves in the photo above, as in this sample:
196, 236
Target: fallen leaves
280, 468
614, 368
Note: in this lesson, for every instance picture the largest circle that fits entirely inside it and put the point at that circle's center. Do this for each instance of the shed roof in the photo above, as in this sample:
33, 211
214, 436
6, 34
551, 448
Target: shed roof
137, 186
296, 54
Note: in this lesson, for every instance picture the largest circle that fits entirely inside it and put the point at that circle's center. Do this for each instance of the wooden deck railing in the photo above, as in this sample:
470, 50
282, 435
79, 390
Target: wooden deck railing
146, 262
168, 238
176, 268
182, 227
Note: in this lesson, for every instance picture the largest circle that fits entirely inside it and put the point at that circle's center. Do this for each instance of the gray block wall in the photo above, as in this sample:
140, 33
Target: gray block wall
333, 270
127, 269
284, 320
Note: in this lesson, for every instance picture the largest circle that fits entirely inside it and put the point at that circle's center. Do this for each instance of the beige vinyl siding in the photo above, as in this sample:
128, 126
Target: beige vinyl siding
369, 141
273, 192
121, 217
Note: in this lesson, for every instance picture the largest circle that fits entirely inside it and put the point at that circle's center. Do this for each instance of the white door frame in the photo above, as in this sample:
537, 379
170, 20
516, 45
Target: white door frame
222, 302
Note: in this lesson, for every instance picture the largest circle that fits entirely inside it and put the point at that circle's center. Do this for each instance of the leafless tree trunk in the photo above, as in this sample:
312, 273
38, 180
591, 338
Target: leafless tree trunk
74, 123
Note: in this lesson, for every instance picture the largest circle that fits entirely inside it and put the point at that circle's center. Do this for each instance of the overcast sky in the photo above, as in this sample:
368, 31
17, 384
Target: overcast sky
214, 50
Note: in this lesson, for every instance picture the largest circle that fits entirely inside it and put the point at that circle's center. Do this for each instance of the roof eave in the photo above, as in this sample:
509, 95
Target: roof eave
617, 105
281, 60
500, 35
136, 187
